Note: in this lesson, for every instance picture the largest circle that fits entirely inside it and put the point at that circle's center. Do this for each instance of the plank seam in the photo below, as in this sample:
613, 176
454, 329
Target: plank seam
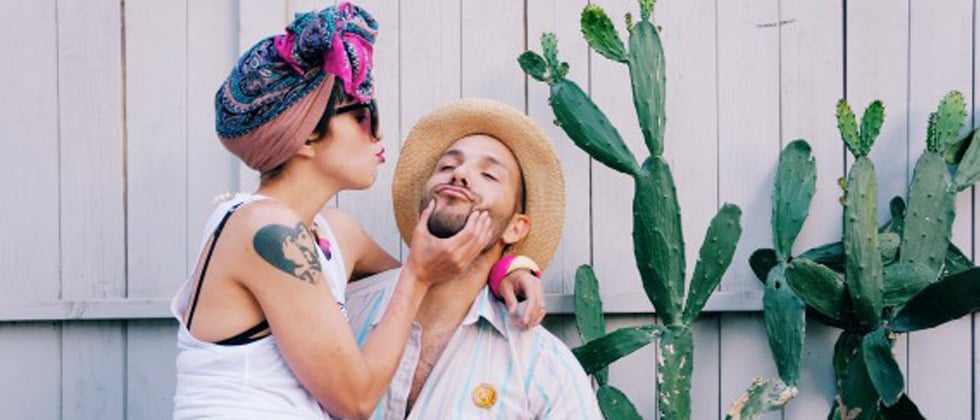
973, 205
57, 58
125, 146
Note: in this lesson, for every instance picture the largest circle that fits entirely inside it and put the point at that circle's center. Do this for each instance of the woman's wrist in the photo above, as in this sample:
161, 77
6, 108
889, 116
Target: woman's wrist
507, 265
411, 270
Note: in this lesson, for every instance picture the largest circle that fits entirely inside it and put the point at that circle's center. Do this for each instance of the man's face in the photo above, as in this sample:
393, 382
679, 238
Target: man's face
476, 173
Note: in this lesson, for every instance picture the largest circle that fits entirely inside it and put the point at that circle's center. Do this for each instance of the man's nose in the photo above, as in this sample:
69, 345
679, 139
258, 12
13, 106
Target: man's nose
460, 177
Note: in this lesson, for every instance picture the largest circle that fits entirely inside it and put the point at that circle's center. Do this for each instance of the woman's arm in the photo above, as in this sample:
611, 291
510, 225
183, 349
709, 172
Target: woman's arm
280, 267
361, 252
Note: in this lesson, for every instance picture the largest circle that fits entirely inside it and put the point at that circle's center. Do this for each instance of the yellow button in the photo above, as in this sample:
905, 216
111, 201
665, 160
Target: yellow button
484, 396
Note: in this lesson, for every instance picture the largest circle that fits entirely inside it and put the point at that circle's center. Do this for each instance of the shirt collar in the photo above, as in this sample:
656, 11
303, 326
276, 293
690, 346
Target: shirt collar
485, 306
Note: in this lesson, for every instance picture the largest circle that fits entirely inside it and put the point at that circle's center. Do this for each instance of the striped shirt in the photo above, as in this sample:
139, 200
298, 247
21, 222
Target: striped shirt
531, 373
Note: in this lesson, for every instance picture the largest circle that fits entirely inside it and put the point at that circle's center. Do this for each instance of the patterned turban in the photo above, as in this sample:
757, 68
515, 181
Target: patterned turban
279, 89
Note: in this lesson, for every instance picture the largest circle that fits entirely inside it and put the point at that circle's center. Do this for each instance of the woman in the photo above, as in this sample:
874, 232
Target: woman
263, 333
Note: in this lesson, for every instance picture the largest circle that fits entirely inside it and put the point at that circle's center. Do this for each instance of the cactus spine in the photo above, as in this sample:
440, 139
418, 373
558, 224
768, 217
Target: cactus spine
657, 236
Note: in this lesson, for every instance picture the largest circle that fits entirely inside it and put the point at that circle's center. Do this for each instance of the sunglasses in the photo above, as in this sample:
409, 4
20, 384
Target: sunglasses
372, 110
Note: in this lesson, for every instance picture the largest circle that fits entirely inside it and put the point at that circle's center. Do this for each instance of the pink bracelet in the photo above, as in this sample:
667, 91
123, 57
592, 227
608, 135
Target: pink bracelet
498, 272
507, 265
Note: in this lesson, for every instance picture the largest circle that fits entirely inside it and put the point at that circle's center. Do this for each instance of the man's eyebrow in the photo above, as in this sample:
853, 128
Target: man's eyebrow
452, 153
458, 154
494, 161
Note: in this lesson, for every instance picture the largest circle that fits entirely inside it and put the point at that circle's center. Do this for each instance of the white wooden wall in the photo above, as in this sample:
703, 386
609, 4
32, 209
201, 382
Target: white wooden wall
111, 163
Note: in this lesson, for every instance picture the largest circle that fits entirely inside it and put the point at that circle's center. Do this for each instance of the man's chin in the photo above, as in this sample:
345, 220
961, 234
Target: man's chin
446, 226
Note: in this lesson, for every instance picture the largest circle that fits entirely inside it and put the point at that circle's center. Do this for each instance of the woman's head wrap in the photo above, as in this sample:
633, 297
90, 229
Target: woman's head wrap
279, 89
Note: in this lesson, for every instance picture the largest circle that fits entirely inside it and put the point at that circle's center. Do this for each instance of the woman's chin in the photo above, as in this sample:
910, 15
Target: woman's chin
365, 184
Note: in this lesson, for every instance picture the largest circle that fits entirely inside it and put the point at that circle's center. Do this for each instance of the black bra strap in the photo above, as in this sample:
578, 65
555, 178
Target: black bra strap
207, 260
245, 337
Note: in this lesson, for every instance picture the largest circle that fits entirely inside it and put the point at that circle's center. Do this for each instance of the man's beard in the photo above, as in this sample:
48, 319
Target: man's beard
445, 223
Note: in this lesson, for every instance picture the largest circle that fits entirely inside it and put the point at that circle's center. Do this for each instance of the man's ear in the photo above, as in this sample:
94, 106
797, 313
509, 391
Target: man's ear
517, 229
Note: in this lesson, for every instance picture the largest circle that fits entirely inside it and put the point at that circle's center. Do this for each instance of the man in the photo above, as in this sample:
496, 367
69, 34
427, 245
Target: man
466, 358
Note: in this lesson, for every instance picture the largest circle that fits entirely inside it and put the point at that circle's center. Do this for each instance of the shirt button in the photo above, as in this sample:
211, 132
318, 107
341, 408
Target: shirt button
484, 396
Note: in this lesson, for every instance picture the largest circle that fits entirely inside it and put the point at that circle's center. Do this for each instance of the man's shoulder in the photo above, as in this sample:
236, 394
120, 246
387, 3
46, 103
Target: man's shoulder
537, 342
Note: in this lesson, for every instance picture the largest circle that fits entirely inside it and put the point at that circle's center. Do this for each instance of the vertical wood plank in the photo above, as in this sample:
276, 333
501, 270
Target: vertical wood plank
30, 359
156, 145
975, 122
744, 355
373, 207
811, 82
29, 129
691, 137
689, 32
612, 218
817, 386
302, 6
492, 37
211, 52
430, 62
612, 192
811, 76
877, 68
92, 218
636, 374
749, 145
93, 371
90, 91
257, 19
151, 376
562, 19
940, 60
748, 126
706, 379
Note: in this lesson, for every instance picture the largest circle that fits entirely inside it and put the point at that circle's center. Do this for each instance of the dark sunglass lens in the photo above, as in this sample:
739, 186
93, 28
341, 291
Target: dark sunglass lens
373, 108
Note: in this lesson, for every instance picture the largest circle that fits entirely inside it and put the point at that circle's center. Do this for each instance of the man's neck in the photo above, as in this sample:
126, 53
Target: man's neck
447, 303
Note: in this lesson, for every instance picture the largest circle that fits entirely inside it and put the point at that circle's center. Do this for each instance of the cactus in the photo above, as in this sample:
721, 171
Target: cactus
601, 35
796, 178
592, 326
648, 77
945, 124
657, 236
929, 217
863, 261
762, 396
784, 311
880, 281
785, 318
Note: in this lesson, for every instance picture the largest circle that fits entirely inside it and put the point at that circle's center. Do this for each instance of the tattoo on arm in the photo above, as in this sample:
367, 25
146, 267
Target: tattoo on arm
289, 249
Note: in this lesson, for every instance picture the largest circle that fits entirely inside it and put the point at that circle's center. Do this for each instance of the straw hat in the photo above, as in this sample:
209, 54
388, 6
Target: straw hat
543, 181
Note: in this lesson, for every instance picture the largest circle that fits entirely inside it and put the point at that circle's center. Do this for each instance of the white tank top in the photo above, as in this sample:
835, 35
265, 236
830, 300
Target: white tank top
247, 381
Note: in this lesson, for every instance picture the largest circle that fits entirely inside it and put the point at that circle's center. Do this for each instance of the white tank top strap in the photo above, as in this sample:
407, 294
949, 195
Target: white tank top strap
334, 269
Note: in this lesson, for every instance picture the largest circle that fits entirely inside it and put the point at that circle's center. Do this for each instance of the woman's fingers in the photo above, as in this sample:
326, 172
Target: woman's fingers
423, 224
474, 237
507, 292
534, 293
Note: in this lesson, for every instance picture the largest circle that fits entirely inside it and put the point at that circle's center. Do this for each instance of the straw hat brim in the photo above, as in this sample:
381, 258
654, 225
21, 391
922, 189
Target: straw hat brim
541, 169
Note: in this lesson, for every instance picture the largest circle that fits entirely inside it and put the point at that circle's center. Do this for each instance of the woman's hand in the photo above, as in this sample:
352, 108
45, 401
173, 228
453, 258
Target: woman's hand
435, 259
522, 284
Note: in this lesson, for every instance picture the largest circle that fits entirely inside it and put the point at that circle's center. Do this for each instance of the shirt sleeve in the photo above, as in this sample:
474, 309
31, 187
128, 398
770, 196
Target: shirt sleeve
558, 386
